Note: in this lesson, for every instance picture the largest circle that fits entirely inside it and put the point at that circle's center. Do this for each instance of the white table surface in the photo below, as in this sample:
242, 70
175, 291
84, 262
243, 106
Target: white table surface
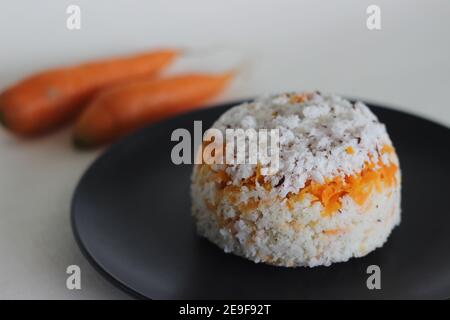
279, 45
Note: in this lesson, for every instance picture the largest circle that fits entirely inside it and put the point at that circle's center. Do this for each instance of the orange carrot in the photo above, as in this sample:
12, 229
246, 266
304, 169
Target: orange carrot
46, 100
117, 111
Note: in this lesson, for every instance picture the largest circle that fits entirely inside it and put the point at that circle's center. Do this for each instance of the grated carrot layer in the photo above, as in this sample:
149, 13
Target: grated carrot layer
358, 186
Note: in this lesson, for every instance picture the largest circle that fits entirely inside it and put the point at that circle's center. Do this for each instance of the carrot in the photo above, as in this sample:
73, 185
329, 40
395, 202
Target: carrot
48, 99
118, 111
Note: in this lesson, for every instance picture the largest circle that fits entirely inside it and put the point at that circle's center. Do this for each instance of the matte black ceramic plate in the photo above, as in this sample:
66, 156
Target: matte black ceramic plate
131, 217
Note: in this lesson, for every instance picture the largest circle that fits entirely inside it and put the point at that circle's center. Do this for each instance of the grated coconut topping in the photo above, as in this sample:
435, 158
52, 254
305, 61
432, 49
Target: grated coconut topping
322, 136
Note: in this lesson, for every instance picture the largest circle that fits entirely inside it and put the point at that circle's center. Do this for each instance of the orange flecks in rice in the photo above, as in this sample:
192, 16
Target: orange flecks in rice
387, 149
258, 177
250, 205
210, 205
295, 225
332, 231
300, 98
222, 178
349, 150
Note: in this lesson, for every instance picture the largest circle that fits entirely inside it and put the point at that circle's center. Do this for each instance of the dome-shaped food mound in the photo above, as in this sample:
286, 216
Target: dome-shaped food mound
335, 195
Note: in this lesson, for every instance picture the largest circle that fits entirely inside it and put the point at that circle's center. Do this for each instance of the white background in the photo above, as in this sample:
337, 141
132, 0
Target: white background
278, 46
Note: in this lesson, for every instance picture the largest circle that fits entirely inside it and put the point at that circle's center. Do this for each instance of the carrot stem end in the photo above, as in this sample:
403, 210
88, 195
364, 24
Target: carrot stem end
2, 120
82, 143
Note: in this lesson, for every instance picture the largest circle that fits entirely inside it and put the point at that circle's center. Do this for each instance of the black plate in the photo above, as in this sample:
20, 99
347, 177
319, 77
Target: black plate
131, 217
